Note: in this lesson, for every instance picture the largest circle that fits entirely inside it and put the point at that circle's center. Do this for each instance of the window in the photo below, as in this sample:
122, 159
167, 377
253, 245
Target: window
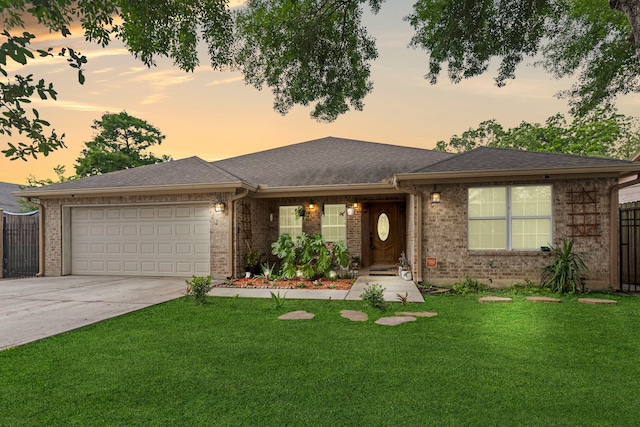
334, 223
289, 223
509, 218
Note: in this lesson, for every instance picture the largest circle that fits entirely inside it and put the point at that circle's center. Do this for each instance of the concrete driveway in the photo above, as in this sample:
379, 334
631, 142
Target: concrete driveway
31, 309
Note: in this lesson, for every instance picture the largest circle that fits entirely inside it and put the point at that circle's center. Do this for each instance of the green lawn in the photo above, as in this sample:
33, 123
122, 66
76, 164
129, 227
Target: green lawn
231, 362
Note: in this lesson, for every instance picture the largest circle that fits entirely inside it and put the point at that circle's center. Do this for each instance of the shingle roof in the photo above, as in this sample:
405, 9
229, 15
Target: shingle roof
500, 159
329, 161
8, 201
189, 171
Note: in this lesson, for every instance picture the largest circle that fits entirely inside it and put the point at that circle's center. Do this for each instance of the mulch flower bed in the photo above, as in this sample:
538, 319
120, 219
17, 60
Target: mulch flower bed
341, 284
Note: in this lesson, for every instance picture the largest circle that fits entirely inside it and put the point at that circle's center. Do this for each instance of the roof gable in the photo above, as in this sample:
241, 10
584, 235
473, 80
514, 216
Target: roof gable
329, 161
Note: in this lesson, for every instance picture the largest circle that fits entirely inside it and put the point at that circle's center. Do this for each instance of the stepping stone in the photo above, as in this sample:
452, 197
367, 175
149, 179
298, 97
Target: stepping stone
544, 299
494, 299
356, 316
395, 320
297, 315
596, 301
417, 313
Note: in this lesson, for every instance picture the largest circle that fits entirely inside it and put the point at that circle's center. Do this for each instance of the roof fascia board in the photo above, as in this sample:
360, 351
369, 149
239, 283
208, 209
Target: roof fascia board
127, 191
608, 171
325, 190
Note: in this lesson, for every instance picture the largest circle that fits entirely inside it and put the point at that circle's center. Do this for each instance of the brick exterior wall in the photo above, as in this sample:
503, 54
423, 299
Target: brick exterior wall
445, 237
53, 225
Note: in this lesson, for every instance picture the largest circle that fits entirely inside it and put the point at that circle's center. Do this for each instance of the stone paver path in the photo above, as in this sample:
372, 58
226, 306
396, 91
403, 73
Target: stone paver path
356, 316
494, 299
416, 313
543, 299
297, 315
596, 301
395, 320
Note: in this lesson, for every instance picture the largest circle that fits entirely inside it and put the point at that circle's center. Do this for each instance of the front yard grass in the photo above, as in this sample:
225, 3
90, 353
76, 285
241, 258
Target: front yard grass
232, 362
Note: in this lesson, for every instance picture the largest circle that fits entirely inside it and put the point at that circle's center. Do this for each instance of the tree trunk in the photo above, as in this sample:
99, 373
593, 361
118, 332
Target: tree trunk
631, 8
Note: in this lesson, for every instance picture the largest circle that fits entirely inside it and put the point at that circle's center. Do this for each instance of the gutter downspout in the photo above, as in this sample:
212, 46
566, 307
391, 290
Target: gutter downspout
418, 202
40, 208
614, 231
232, 201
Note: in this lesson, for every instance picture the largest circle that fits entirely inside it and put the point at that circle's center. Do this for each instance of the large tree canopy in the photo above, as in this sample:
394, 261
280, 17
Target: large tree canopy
602, 132
122, 142
318, 52
596, 40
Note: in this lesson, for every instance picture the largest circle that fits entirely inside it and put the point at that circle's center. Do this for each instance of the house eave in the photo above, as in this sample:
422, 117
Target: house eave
134, 190
518, 174
264, 192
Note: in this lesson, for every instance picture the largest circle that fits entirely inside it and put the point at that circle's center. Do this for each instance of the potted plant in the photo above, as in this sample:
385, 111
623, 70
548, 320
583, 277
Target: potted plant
301, 212
404, 268
252, 260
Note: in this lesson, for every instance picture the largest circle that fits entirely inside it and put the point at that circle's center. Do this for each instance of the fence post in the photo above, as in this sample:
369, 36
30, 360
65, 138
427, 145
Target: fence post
1, 243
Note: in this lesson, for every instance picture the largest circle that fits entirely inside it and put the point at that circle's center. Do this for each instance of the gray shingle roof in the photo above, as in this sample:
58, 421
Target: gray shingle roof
499, 159
8, 201
328, 161
189, 171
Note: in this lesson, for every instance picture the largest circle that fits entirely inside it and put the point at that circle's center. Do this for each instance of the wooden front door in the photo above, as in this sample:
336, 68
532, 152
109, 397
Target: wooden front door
386, 233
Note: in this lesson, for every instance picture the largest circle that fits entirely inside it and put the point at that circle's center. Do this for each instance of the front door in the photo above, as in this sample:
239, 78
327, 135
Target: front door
386, 234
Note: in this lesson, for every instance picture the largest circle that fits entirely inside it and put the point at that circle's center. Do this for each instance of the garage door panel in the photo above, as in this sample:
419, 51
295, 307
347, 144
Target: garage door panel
146, 240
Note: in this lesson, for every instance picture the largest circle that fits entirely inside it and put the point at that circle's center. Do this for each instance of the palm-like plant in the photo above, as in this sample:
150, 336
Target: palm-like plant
566, 271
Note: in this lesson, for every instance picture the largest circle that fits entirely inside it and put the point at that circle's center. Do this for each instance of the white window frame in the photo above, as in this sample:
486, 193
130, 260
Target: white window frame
509, 218
323, 226
293, 225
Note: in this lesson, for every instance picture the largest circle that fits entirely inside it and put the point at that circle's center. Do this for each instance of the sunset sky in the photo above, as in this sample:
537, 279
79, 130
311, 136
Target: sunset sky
214, 115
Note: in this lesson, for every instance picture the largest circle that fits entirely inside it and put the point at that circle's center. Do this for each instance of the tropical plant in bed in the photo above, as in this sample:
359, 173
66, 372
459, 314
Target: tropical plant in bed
566, 270
310, 255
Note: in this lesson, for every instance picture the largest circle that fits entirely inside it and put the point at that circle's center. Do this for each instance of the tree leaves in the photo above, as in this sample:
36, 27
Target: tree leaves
585, 38
307, 52
602, 132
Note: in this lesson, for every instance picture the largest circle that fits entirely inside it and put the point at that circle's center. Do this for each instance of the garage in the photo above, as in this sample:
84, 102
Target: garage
141, 240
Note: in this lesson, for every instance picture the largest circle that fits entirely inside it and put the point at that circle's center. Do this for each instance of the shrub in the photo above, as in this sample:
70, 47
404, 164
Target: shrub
374, 295
198, 288
566, 271
468, 286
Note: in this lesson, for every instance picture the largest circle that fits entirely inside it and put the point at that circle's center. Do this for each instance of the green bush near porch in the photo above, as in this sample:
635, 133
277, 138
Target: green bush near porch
232, 362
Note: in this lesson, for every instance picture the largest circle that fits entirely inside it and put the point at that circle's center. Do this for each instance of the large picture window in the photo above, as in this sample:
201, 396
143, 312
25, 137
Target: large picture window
509, 218
289, 223
334, 223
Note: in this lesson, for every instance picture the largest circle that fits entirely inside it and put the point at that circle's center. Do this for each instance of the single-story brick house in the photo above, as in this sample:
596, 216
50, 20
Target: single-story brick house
493, 210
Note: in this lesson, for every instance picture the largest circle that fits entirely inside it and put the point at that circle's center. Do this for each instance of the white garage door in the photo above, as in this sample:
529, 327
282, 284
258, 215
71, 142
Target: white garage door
163, 240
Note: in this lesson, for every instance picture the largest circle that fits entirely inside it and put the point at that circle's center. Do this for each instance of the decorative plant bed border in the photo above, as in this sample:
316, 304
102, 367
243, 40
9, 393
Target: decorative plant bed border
261, 283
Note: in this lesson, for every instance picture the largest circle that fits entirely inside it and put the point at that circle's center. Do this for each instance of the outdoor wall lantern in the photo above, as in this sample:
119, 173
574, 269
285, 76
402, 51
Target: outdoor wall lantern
218, 205
312, 206
351, 208
435, 196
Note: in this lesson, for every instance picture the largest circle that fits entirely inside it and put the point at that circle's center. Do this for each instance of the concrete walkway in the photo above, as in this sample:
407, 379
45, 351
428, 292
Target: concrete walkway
35, 308
393, 285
